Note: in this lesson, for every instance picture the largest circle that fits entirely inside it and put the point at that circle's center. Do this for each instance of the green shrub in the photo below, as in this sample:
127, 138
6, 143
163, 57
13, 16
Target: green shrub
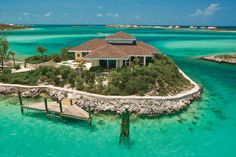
6, 71
56, 58
161, 76
37, 59
96, 69
89, 77
79, 83
65, 71
71, 78
17, 67
57, 81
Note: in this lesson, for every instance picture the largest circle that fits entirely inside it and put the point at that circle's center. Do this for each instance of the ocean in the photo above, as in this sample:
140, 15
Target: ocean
206, 128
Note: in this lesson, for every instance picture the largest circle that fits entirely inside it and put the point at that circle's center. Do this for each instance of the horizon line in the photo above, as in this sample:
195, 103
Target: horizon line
92, 24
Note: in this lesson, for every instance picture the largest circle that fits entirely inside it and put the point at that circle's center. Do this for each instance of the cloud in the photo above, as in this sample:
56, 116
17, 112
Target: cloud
64, 15
48, 14
100, 7
136, 16
25, 14
99, 15
19, 18
113, 15
210, 10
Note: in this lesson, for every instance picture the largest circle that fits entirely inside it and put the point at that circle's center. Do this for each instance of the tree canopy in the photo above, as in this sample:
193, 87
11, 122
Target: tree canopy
40, 49
4, 46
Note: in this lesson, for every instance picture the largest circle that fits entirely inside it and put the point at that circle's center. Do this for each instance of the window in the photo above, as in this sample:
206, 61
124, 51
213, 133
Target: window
84, 53
103, 63
107, 64
111, 64
149, 60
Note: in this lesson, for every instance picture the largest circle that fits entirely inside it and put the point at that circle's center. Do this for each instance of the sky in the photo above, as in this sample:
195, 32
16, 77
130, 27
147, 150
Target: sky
148, 12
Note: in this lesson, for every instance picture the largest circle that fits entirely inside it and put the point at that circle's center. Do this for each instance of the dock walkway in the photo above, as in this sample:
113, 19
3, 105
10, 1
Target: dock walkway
65, 108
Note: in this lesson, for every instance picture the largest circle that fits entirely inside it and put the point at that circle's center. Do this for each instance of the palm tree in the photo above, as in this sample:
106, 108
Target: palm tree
4, 53
12, 53
40, 49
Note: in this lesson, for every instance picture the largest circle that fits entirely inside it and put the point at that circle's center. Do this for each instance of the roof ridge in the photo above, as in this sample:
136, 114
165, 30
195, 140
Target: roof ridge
121, 35
147, 45
105, 46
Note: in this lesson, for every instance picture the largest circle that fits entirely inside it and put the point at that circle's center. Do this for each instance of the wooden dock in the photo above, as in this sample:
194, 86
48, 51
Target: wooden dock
65, 108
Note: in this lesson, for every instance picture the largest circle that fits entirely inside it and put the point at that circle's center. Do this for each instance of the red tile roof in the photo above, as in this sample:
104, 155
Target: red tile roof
90, 45
120, 35
100, 48
107, 51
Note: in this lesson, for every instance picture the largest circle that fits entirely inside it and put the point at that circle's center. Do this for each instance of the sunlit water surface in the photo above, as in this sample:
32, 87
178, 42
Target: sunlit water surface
206, 128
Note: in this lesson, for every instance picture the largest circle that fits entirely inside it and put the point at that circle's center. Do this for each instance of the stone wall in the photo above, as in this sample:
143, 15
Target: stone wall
141, 105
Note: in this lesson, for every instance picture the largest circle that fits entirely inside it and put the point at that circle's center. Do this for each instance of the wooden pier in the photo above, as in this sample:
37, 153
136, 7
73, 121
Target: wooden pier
65, 108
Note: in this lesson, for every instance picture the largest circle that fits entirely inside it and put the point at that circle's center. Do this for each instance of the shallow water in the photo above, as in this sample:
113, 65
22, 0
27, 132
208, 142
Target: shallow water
206, 128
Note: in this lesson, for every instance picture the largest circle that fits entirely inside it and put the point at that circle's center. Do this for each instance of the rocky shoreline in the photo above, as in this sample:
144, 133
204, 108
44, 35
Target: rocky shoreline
228, 59
140, 105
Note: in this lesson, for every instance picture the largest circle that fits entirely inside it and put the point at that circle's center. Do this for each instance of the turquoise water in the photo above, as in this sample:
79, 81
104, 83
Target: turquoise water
206, 128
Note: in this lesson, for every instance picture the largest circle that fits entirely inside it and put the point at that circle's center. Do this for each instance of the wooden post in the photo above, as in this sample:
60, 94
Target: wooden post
124, 130
71, 102
20, 100
46, 105
25, 64
60, 106
90, 117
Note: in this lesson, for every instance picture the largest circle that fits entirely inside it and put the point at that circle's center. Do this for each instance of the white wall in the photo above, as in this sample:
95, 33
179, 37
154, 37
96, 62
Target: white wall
95, 63
119, 63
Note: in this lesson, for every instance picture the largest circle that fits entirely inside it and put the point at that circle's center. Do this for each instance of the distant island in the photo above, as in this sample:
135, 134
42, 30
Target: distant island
11, 27
228, 58
193, 28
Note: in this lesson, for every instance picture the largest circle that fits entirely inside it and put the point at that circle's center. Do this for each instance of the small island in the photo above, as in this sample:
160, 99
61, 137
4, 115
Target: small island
176, 27
11, 27
226, 58
113, 74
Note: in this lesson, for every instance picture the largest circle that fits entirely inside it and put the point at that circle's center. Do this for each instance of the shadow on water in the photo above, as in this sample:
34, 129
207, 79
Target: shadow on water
219, 114
126, 143
177, 113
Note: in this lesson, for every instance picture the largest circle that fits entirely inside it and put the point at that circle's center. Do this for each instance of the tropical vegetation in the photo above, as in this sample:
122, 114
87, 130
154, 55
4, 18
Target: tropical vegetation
11, 27
64, 55
4, 53
159, 78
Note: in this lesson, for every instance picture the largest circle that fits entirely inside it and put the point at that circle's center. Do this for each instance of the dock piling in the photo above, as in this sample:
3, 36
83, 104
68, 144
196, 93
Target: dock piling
125, 126
71, 102
46, 105
60, 105
21, 104
90, 117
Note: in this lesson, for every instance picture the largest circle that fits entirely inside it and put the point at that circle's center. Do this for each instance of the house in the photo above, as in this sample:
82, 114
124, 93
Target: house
115, 51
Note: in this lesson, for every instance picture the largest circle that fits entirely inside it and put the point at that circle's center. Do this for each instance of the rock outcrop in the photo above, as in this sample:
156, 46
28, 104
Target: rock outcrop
229, 59
141, 105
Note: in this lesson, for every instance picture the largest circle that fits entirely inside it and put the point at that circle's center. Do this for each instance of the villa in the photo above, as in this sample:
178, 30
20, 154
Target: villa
115, 51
